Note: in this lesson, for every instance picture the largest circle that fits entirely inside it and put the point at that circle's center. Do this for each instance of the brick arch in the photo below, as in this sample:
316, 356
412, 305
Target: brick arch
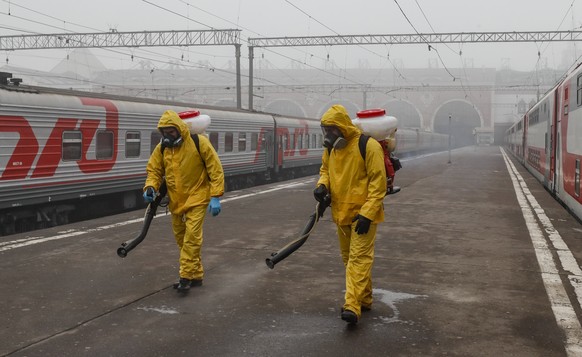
404, 117
438, 108
465, 118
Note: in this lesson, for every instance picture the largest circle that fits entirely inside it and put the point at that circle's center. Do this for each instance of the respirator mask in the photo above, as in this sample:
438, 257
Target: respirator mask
333, 138
171, 137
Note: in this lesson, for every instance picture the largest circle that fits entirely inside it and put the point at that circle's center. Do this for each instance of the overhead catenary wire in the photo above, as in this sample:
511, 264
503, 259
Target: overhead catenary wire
213, 69
332, 30
342, 75
429, 45
285, 56
534, 73
237, 25
70, 31
446, 45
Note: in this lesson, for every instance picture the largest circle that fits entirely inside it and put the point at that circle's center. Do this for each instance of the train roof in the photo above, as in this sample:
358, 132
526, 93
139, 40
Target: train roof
78, 93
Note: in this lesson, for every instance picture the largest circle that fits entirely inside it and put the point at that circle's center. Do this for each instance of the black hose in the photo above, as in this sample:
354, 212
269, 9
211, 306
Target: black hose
129, 245
296, 244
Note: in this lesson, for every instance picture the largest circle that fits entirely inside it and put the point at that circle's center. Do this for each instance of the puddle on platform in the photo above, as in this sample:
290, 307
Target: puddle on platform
390, 298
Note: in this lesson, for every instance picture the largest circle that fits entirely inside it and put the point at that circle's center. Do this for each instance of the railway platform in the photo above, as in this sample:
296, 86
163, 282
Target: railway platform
475, 259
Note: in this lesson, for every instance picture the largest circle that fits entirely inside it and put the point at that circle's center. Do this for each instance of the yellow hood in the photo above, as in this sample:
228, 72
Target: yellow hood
171, 118
339, 117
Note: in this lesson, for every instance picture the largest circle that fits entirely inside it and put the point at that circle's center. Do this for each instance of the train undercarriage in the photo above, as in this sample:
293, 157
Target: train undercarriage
30, 218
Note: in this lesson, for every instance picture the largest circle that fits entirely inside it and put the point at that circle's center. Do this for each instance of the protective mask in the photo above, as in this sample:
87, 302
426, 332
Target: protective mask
333, 138
170, 141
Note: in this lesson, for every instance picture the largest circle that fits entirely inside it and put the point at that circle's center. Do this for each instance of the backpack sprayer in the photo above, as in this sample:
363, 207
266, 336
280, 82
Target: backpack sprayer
197, 124
375, 123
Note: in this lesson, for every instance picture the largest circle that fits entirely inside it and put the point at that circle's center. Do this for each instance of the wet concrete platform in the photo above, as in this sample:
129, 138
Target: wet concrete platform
455, 274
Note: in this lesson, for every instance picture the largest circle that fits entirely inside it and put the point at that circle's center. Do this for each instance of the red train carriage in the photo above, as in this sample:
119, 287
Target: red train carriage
548, 141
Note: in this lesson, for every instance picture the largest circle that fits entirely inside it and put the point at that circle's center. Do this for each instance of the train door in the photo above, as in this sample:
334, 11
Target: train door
277, 151
558, 176
269, 146
553, 137
283, 148
525, 125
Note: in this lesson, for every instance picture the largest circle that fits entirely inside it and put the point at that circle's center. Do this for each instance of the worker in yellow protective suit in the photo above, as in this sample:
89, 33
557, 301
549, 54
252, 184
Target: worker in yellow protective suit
357, 189
195, 181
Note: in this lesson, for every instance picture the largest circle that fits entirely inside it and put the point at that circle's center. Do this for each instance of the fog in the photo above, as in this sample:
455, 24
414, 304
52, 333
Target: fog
302, 18
304, 81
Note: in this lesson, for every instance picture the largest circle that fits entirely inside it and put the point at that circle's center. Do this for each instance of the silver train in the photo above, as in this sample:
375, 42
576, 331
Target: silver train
65, 155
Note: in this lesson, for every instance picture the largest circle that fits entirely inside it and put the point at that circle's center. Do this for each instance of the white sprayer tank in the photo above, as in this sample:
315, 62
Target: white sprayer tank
375, 123
197, 123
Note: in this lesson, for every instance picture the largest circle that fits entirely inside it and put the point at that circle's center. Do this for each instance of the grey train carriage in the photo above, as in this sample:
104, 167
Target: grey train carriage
64, 154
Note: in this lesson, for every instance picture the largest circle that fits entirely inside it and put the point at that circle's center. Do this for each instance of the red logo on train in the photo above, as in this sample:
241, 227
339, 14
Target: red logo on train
27, 148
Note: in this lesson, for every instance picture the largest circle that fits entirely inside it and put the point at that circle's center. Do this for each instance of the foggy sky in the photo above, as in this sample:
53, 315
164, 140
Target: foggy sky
262, 18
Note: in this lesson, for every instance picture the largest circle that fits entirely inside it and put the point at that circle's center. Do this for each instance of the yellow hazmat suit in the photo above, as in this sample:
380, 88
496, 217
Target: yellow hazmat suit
192, 178
356, 187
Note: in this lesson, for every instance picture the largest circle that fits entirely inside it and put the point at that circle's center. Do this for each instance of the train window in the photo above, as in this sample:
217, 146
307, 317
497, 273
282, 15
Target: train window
72, 144
214, 140
292, 141
566, 91
534, 117
132, 144
313, 141
242, 142
104, 147
254, 140
306, 142
578, 91
155, 138
228, 142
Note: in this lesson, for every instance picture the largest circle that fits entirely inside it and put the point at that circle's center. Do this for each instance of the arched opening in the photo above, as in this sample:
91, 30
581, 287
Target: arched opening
405, 112
464, 120
350, 107
285, 107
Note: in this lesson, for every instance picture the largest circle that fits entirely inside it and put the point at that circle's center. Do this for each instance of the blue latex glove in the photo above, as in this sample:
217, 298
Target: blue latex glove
149, 195
214, 206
